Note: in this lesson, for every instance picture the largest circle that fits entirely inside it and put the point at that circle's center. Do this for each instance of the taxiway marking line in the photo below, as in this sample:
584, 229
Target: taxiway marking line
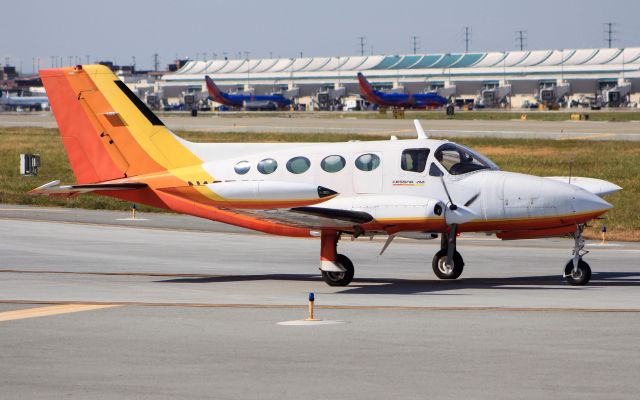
325, 307
151, 274
51, 310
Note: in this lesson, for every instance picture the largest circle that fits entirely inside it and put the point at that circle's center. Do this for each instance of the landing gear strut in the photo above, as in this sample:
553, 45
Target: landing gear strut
448, 263
577, 272
337, 269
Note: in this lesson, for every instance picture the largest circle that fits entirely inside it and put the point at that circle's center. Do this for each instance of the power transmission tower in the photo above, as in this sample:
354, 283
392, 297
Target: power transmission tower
608, 33
362, 43
521, 39
414, 44
467, 38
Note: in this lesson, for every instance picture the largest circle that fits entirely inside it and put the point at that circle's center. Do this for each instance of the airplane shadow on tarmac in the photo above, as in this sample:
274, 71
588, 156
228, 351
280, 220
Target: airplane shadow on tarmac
415, 286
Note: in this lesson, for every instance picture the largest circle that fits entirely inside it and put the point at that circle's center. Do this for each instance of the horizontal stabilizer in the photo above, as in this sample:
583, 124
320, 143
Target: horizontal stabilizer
55, 189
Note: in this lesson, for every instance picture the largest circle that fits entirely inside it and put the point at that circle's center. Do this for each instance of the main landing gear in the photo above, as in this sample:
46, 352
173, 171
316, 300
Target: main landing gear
448, 263
577, 272
337, 269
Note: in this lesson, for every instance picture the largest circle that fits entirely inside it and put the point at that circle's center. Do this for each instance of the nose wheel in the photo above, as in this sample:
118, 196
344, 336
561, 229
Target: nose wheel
577, 272
578, 276
448, 263
443, 270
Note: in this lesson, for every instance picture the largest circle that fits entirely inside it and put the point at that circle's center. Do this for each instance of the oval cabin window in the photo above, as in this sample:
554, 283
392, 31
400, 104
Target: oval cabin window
242, 167
298, 165
333, 163
367, 162
267, 166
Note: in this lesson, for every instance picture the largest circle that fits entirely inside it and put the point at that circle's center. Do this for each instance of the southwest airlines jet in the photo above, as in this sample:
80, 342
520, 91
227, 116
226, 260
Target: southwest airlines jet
418, 188
243, 100
411, 100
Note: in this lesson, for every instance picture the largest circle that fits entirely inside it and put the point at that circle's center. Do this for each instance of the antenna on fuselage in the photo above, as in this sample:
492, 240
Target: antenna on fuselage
419, 130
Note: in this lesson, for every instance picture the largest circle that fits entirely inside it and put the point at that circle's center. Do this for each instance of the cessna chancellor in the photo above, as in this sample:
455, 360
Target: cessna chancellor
244, 100
411, 100
418, 188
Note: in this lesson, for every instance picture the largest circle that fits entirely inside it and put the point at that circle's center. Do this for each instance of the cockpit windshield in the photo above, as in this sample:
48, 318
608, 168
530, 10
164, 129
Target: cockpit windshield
460, 160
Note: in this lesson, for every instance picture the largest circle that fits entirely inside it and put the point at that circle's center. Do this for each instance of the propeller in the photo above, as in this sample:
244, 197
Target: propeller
455, 215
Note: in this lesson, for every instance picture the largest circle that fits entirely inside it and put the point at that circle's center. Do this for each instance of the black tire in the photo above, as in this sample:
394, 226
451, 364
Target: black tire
582, 276
340, 278
444, 273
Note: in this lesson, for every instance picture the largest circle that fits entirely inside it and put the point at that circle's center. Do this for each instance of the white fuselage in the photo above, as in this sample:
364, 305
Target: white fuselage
390, 190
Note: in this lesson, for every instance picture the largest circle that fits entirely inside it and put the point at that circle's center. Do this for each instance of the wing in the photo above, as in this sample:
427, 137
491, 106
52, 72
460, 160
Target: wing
309, 217
55, 189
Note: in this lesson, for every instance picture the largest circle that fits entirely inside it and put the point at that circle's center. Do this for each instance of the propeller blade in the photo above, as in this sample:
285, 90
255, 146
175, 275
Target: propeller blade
460, 215
472, 200
451, 206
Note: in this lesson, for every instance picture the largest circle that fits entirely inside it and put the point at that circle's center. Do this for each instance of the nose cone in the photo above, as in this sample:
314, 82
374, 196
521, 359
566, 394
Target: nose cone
587, 202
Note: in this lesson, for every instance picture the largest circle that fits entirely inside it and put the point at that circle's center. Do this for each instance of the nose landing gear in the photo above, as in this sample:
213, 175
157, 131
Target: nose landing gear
448, 263
577, 272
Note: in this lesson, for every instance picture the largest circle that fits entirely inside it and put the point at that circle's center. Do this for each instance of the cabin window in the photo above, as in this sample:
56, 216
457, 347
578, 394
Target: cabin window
267, 166
367, 162
414, 160
242, 167
298, 165
458, 160
434, 170
333, 163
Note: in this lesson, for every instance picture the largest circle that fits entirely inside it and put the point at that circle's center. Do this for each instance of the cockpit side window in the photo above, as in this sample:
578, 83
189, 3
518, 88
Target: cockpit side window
434, 170
458, 160
414, 160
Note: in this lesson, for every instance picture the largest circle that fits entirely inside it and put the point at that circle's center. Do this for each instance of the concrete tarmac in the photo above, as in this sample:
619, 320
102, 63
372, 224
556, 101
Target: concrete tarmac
196, 307
312, 123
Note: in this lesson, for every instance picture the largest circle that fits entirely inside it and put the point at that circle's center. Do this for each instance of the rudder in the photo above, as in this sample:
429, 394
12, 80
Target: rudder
107, 131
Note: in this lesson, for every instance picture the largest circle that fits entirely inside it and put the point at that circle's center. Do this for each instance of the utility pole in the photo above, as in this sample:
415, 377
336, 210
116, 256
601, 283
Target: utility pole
608, 33
246, 57
521, 39
467, 38
414, 43
362, 43
156, 62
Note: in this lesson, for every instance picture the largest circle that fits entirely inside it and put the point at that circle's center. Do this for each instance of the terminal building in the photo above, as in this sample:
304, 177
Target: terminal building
607, 77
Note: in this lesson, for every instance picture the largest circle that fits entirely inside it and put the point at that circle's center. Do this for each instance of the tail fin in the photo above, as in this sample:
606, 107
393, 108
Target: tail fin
366, 90
109, 133
216, 94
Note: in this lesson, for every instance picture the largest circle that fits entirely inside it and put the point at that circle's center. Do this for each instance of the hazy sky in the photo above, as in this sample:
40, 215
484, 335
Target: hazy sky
120, 30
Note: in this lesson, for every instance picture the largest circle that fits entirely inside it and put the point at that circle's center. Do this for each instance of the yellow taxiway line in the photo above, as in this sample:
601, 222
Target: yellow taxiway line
97, 305
51, 310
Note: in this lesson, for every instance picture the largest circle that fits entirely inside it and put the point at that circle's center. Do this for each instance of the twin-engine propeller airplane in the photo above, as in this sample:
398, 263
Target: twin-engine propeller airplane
418, 188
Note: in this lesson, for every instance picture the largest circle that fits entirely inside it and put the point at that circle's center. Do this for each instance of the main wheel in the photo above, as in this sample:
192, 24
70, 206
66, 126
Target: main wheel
581, 276
340, 278
444, 271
